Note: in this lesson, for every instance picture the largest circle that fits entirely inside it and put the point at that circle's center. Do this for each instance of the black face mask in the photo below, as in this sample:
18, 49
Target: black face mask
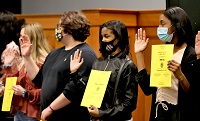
111, 47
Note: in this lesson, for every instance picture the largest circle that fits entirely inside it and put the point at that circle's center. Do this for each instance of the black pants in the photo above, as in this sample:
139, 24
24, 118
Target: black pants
169, 113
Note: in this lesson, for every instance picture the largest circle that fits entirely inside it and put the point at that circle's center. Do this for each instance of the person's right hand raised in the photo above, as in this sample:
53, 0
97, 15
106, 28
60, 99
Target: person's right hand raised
140, 41
25, 45
76, 61
8, 56
10, 53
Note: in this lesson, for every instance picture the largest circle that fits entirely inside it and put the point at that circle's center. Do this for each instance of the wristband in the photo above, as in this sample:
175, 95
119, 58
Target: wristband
51, 108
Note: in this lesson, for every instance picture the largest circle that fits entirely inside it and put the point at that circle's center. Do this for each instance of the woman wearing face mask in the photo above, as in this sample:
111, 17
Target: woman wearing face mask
114, 47
169, 103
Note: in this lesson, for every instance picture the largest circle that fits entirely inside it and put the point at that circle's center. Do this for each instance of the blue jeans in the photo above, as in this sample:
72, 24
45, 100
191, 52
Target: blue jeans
19, 116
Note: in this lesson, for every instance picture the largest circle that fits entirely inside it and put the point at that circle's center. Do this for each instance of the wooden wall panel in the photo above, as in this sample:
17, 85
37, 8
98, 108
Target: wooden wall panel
93, 39
99, 16
147, 20
149, 17
48, 21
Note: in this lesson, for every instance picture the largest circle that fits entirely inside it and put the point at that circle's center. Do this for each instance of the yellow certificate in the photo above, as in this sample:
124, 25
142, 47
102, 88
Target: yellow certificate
160, 75
8, 93
95, 88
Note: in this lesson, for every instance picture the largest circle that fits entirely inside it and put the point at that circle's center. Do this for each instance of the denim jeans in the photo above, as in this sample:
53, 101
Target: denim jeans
19, 116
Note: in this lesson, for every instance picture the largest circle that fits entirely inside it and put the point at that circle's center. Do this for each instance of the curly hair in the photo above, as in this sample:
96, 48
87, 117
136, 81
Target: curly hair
76, 24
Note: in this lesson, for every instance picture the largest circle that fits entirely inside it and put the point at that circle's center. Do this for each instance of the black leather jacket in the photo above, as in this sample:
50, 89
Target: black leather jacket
127, 90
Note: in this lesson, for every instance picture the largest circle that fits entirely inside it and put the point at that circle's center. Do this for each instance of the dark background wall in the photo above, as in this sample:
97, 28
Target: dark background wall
11, 5
192, 8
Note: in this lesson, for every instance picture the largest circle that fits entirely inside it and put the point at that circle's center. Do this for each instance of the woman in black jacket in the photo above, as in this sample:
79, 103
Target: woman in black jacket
114, 47
169, 103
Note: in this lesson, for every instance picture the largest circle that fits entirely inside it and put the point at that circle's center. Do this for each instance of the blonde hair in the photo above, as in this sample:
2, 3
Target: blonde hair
40, 46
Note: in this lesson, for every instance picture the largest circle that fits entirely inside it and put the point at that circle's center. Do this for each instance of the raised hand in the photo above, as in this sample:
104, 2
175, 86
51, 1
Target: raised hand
10, 53
76, 61
8, 56
25, 45
197, 44
140, 41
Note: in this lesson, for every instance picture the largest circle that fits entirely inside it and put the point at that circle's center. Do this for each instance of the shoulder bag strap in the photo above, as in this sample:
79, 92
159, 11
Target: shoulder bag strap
118, 77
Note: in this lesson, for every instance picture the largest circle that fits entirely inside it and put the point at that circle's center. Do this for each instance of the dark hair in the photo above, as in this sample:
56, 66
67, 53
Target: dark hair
10, 28
120, 31
181, 25
76, 24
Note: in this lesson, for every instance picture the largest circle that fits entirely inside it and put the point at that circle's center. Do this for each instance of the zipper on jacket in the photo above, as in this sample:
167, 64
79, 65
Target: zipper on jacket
107, 63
